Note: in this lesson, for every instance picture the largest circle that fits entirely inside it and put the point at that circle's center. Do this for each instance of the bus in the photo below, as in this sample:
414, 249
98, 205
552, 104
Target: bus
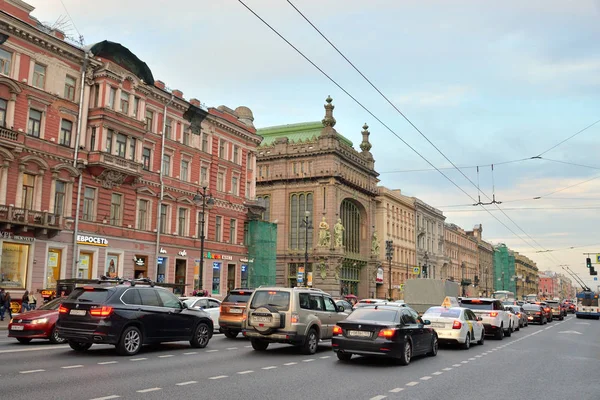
587, 305
503, 295
531, 298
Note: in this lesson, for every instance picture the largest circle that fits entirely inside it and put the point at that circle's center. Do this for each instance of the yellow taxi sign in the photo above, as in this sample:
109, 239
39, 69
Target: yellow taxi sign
450, 302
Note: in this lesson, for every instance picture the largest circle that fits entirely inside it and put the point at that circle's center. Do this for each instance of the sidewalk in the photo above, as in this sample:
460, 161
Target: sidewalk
4, 324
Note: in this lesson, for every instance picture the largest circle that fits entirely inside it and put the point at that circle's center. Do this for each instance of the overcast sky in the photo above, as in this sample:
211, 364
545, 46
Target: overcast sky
486, 83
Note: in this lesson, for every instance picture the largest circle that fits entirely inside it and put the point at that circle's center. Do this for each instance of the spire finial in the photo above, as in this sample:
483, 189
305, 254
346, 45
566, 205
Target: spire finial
365, 146
328, 121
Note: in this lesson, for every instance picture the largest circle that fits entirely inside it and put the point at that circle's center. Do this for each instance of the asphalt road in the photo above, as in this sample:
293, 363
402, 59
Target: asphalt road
560, 360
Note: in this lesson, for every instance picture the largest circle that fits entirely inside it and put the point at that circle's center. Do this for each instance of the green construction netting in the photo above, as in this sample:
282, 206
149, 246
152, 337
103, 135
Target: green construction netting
262, 248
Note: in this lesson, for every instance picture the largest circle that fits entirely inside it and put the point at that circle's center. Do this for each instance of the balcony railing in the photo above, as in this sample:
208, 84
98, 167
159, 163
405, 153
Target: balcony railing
9, 134
110, 160
22, 216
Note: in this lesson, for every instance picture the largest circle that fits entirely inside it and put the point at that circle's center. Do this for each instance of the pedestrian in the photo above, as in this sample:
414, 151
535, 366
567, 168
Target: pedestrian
2, 301
7, 301
32, 301
25, 302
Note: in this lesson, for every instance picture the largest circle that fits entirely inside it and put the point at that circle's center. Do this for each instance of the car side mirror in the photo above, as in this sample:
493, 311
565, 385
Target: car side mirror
427, 322
479, 319
341, 308
183, 305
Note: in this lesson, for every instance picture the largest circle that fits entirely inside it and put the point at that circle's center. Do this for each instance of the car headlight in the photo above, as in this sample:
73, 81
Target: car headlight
39, 321
11, 321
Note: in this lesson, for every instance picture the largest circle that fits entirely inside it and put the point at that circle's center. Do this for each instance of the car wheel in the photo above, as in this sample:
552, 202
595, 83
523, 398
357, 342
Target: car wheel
80, 347
54, 338
259, 345
343, 356
201, 336
406, 354
23, 340
508, 332
311, 342
467, 344
434, 346
518, 327
499, 333
130, 342
482, 340
230, 334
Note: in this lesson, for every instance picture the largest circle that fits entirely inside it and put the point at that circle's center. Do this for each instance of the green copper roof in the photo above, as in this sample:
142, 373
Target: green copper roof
302, 132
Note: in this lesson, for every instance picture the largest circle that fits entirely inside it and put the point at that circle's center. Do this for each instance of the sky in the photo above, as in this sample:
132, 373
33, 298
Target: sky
485, 82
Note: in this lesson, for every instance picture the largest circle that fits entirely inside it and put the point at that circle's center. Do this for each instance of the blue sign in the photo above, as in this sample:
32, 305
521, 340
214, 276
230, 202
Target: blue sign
300, 277
595, 278
160, 260
216, 265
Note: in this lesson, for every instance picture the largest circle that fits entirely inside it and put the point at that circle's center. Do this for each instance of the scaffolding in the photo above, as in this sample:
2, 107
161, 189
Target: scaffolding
504, 269
262, 253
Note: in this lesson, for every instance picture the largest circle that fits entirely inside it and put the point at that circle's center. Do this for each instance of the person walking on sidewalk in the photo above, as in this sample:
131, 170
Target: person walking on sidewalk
25, 302
7, 301
32, 300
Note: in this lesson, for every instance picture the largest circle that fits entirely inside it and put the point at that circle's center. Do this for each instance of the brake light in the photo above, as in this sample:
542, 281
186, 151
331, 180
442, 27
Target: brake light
337, 330
62, 309
294, 318
387, 333
538, 313
273, 292
519, 314
88, 288
456, 325
494, 314
474, 301
105, 311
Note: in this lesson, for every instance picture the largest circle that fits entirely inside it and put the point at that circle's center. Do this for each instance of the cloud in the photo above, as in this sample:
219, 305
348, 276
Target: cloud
453, 95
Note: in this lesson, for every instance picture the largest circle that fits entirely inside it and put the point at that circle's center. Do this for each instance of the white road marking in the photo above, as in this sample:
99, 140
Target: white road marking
478, 356
190, 352
324, 357
437, 373
31, 371
72, 366
380, 397
245, 372
425, 378
471, 359
231, 348
396, 390
582, 323
291, 363
186, 383
166, 356
113, 396
412, 383
464, 362
138, 359
247, 347
447, 369
34, 349
149, 390
269, 367
218, 377
107, 362
211, 351
456, 365
308, 360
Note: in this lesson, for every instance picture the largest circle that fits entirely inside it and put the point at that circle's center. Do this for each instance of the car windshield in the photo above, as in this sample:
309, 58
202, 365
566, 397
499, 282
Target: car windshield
273, 298
531, 307
478, 304
442, 312
241, 297
94, 295
52, 305
371, 314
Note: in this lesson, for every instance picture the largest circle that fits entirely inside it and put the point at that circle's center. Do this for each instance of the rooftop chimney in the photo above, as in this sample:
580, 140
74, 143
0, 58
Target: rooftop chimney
178, 93
58, 34
195, 102
159, 84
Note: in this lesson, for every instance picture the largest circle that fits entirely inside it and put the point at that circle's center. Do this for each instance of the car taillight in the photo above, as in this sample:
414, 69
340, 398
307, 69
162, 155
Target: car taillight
294, 319
519, 314
456, 325
387, 333
103, 311
220, 309
337, 330
538, 313
63, 310
494, 314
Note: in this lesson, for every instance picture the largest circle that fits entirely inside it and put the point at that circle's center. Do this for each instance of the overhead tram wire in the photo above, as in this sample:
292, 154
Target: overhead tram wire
569, 138
530, 208
380, 121
406, 119
465, 167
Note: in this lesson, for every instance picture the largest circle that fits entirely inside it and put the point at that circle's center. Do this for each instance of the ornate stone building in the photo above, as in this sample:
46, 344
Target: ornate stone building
485, 266
310, 173
430, 238
526, 276
463, 266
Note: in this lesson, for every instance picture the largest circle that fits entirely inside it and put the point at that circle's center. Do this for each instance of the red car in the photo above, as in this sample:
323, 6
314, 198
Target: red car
37, 324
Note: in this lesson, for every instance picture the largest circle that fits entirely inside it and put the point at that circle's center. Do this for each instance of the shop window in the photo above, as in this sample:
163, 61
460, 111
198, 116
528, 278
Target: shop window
112, 266
180, 272
244, 275
13, 265
216, 278
230, 277
84, 266
53, 268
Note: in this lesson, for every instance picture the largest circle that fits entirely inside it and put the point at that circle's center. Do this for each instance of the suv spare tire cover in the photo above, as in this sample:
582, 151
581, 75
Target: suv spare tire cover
267, 327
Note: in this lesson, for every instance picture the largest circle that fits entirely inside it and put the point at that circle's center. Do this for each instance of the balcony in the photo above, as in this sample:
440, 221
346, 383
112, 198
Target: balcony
111, 170
21, 220
10, 138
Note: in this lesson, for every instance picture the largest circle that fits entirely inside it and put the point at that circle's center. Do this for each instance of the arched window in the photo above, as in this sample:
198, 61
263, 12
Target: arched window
300, 203
350, 216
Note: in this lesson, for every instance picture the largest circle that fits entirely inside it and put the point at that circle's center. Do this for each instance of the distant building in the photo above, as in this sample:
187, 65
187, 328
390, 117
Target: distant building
549, 285
430, 238
463, 267
485, 252
504, 268
526, 276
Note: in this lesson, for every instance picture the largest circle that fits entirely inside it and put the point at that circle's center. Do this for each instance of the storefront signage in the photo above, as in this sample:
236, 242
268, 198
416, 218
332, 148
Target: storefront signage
162, 251
214, 256
247, 260
182, 253
92, 240
160, 260
379, 278
139, 261
11, 236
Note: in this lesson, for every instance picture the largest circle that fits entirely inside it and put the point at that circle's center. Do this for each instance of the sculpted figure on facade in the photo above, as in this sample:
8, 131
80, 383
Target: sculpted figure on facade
375, 244
324, 234
338, 232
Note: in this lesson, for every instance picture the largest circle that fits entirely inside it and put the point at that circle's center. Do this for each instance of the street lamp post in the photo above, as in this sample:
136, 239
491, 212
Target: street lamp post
306, 223
425, 267
206, 201
462, 280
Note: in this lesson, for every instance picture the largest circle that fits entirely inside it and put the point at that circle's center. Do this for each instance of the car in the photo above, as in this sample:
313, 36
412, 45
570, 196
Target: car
37, 324
571, 307
129, 314
385, 331
208, 304
344, 303
557, 311
546, 309
520, 312
456, 325
496, 320
232, 315
367, 302
297, 316
515, 320
535, 313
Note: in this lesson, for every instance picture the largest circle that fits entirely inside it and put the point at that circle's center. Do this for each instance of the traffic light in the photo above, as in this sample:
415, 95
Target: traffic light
389, 250
588, 262
424, 271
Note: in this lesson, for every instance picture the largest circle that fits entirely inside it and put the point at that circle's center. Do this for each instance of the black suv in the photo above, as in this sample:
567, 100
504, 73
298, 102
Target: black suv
129, 315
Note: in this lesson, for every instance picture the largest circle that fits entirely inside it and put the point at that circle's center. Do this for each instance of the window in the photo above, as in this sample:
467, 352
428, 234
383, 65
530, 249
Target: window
169, 300
232, 231
93, 138
149, 297
5, 59
112, 93
221, 148
221, 181
266, 203
146, 158
350, 216
168, 128
299, 204
132, 144
89, 198
96, 95
143, 215
109, 139
115, 209
136, 106
166, 164
34, 124
182, 222
204, 174
132, 296
164, 213
39, 76
121, 145
28, 191
59, 197
216, 281
184, 170
3, 105
236, 155
186, 137
234, 185
205, 142
218, 228
125, 102
149, 120
66, 127
70, 83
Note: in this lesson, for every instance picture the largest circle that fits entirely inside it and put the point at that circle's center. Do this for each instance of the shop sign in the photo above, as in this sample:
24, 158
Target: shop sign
247, 260
162, 251
92, 240
138, 261
160, 260
182, 253
11, 236
379, 278
214, 256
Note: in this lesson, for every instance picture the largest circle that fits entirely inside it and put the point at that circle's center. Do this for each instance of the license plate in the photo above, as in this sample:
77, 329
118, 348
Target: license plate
17, 327
359, 333
529, 317
236, 310
261, 319
77, 312
437, 325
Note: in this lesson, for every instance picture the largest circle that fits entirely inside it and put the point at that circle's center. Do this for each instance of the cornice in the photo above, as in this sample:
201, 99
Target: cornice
227, 126
47, 156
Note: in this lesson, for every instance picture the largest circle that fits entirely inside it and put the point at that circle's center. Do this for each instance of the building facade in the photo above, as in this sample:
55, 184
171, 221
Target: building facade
549, 285
395, 221
526, 276
430, 224
463, 265
321, 193
504, 268
102, 165
485, 252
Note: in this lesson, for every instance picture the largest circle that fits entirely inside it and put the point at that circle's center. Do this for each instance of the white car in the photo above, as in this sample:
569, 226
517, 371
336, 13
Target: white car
496, 320
515, 319
456, 325
368, 302
208, 304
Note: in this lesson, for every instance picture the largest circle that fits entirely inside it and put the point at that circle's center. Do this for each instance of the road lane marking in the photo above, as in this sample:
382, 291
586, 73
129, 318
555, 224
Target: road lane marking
380, 397
113, 396
186, 383
211, 351
425, 378
218, 377
269, 367
166, 356
471, 359
478, 356
464, 362
457, 365
291, 363
245, 372
231, 348
412, 383
138, 359
247, 347
447, 369
324, 357
72, 366
34, 349
32, 371
107, 362
154, 389
396, 390
308, 360
437, 373
190, 352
